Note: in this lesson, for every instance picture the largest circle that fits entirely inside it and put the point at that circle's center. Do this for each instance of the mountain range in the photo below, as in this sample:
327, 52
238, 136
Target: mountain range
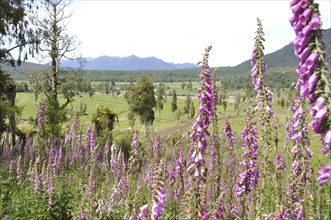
121, 69
126, 63
283, 57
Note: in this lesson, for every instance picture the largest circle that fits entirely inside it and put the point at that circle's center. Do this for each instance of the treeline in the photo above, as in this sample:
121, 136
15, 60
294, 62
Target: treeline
281, 79
275, 77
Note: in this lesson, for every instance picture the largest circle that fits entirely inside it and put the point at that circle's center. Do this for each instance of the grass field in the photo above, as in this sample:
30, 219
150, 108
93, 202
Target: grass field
165, 123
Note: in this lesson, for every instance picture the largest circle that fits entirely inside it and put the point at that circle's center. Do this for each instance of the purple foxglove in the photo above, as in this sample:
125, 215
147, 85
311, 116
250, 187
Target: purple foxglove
143, 211
18, 171
196, 170
41, 114
326, 143
156, 147
325, 174
90, 139
305, 16
250, 174
295, 166
318, 120
160, 202
279, 162
312, 81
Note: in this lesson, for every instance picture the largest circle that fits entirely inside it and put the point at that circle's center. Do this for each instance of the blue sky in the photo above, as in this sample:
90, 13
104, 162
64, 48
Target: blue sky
178, 31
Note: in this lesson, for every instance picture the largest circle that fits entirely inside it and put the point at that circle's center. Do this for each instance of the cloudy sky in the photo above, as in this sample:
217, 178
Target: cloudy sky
179, 31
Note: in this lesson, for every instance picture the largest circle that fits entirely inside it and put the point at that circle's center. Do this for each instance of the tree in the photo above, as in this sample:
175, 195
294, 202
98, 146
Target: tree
187, 105
8, 110
90, 90
56, 44
174, 101
15, 35
82, 108
178, 115
112, 88
237, 103
104, 121
282, 102
141, 100
182, 85
223, 97
16, 31
192, 110
189, 86
278, 92
107, 87
160, 97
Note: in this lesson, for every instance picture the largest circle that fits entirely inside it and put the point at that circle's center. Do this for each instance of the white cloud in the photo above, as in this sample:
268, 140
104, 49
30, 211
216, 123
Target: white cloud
178, 31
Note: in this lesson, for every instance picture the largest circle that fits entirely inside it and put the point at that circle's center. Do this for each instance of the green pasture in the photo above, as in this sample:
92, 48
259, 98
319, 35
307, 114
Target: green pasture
165, 124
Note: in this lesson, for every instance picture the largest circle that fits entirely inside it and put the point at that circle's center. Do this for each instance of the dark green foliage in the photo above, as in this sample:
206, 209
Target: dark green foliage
15, 33
237, 103
62, 207
182, 85
22, 87
19, 202
178, 114
104, 120
174, 101
113, 88
15, 30
160, 97
8, 109
54, 117
187, 105
123, 142
82, 108
70, 83
192, 110
103, 88
189, 86
223, 96
141, 100
282, 102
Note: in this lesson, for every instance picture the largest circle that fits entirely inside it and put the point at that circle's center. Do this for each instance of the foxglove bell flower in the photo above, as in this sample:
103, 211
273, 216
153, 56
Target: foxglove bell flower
49, 184
134, 149
220, 212
312, 81
325, 174
196, 168
279, 162
72, 133
205, 95
250, 175
156, 148
90, 139
264, 94
159, 204
327, 142
41, 114
143, 211
18, 171
229, 138
200, 126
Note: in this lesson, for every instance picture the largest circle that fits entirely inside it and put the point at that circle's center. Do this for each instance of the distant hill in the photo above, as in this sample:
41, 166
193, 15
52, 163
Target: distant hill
126, 63
282, 58
281, 66
24, 66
